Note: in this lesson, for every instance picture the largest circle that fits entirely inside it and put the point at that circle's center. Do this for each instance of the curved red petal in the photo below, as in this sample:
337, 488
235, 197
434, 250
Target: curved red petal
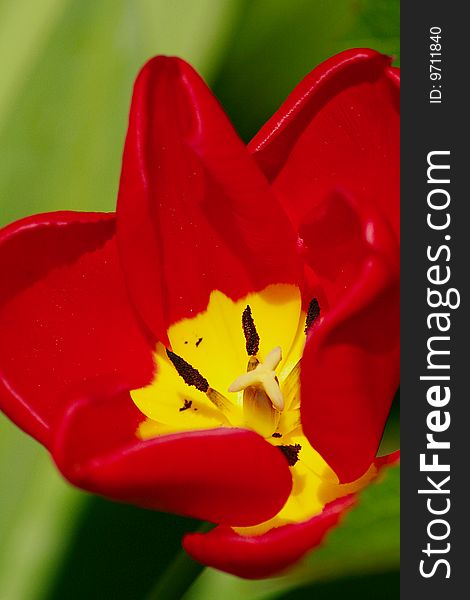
339, 127
333, 245
274, 551
64, 315
195, 213
221, 475
267, 554
350, 365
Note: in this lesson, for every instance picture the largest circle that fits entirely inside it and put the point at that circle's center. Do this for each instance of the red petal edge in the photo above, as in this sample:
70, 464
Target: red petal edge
339, 127
273, 552
220, 475
64, 316
350, 365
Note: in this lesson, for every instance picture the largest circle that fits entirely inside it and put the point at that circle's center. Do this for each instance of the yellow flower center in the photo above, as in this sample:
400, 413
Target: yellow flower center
237, 364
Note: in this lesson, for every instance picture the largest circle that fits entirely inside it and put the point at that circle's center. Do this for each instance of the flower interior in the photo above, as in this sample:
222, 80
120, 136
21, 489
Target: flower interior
238, 364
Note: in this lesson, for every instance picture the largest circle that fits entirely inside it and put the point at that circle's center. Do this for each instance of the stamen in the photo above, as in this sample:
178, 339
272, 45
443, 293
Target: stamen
218, 399
249, 329
258, 410
313, 313
291, 388
291, 452
189, 374
263, 376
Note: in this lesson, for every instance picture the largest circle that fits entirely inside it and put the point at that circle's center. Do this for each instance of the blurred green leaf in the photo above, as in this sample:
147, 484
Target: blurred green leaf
277, 43
367, 541
375, 24
118, 552
37, 516
62, 133
16, 18
376, 586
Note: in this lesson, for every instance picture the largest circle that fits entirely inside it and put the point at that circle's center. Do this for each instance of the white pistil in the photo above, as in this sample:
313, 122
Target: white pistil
263, 376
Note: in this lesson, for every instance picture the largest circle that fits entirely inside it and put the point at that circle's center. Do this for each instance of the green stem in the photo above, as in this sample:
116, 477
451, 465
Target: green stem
178, 576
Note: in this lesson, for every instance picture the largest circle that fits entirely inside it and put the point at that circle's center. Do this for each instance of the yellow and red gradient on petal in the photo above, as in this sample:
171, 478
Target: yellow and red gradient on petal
192, 388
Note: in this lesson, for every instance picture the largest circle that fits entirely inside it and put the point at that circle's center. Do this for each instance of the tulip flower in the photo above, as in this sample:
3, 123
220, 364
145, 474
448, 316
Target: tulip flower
224, 346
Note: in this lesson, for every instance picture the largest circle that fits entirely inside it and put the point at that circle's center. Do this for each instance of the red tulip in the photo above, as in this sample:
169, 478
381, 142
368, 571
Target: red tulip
225, 346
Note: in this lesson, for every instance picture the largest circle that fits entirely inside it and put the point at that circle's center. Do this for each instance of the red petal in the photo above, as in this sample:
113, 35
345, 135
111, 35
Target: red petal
195, 213
338, 128
388, 459
350, 365
64, 316
220, 475
333, 245
267, 554
274, 551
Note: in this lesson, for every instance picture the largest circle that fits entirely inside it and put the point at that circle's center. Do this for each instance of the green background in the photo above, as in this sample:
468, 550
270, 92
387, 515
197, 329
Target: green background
66, 75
